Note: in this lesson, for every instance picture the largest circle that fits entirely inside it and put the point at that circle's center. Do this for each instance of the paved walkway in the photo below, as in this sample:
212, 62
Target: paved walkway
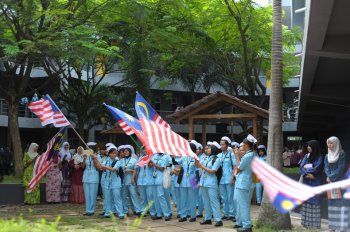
72, 220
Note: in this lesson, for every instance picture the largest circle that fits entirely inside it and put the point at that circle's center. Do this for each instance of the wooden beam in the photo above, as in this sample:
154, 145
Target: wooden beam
204, 132
191, 128
255, 128
219, 116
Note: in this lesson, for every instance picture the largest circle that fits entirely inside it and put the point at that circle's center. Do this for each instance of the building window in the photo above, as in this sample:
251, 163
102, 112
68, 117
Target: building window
173, 104
157, 103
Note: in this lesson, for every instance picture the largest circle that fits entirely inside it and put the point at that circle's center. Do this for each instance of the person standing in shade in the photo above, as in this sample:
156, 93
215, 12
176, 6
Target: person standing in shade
144, 183
188, 195
159, 162
336, 165
243, 176
311, 169
65, 157
228, 162
28, 162
209, 185
258, 186
53, 181
90, 181
77, 190
129, 185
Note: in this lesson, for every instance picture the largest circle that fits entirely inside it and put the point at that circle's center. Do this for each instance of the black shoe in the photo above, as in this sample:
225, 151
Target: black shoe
168, 218
199, 216
86, 214
182, 219
156, 218
232, 219
245, 230
219, 223
224, 218
206, 222
103, 213
121, 217
106, 216
192, 220
178, 216
188, 216
237, 226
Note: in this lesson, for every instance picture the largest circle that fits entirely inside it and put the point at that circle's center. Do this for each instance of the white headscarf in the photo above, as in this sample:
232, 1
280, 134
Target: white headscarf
333, 155
77, 157
31, 152
65, 152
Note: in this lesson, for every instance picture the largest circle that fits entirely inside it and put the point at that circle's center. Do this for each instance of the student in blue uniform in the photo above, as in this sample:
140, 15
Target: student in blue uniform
129, 185
209, 185
228, 162
243, 175
167, 190
144, 183
176, 171
159, 162
202, 156
90, 181
258, 186
105, 160
112, 172
188, 196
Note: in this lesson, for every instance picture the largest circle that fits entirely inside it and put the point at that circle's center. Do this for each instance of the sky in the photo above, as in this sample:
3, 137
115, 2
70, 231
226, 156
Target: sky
262, 2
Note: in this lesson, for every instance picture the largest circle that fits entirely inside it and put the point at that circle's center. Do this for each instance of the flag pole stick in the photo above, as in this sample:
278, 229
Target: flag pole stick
136, 143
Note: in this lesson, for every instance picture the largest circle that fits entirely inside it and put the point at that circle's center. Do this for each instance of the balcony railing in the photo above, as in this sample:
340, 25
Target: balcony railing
23, 110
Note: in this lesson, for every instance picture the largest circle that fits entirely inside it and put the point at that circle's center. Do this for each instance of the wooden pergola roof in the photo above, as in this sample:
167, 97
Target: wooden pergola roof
213, 102
115, 130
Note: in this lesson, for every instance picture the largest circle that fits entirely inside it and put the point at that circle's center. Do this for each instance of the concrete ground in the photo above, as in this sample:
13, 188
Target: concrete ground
72, 220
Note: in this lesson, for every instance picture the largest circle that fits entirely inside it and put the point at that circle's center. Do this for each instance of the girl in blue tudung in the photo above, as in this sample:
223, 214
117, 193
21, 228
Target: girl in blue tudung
243, 176
311, 169
209, 185
228, 162
258, 186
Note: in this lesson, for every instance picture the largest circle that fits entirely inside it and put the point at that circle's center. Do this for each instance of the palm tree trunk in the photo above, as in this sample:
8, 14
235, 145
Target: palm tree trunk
275, 137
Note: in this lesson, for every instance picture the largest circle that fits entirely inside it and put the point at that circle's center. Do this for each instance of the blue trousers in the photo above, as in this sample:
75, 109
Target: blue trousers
188, 203
167, 197
226, 194
160, 201
146, 198
252, 187
178, 198
113, 201
211, 202
259, 192
130, 190
200, 201
90, 192
172, 191
242, 198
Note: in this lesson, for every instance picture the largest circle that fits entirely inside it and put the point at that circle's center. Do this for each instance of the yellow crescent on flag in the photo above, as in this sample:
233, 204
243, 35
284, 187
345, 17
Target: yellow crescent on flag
144, 107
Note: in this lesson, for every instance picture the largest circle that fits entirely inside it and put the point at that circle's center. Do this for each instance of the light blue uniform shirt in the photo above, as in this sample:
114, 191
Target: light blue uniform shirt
106, 161
111, 179
244, 177
160, 160
128, 163
228, 160
91, 175
145, 175
210, 180
189, 167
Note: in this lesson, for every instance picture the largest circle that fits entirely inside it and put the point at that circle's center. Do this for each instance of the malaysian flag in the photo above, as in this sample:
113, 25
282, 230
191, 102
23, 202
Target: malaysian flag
146, 110
48, 112
161, 139
43, 162
284, 193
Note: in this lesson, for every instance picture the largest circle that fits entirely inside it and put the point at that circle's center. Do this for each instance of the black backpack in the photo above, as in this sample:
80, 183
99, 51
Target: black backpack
218, 173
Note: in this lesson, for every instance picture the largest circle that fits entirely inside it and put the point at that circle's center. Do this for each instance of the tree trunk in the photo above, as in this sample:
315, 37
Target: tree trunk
15, 134
267, 211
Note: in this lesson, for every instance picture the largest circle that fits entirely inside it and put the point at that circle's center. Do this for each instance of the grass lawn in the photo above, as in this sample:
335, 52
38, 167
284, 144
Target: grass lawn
16, 180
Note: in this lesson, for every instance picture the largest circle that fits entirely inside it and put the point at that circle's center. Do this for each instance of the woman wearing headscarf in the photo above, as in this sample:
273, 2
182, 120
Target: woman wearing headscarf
336, 165
65, 156
53, 181
77, 191
311, 169
228, 162
209, 185
243, 175
28, 161
258, 186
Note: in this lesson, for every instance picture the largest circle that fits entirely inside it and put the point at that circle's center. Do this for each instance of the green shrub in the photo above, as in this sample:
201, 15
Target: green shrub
20, 224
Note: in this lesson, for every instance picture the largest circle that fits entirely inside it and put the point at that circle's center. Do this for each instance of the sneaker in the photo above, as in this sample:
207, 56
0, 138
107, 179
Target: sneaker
219, 223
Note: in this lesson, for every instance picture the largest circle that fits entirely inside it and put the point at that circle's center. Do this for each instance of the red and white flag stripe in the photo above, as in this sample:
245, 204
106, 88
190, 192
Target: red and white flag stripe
158, 119
159, 139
